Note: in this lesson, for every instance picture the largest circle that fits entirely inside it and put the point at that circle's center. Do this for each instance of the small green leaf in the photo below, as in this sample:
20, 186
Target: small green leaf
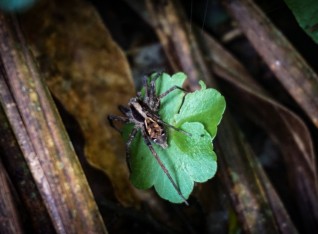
188, 159
306, 13
205, 106
170, 104
16, 5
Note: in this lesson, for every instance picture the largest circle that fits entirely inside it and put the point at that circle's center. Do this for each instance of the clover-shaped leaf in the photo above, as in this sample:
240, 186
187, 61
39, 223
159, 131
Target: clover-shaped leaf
205, 106
188, 159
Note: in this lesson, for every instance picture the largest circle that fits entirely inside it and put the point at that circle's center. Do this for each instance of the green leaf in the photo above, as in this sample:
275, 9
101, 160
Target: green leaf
188, 159
205, 106
172, 102
16, 5
306, 13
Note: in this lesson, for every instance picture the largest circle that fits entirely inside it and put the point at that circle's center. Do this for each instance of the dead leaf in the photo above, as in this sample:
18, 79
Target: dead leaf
89, 74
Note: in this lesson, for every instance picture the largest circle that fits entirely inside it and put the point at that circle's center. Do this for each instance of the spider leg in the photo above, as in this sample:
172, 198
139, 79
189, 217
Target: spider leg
151, 98
157, 75
145, 85
174, 128
123, 109
170, 90
154, 153
152, 88
156, 103
111, 119
128, 143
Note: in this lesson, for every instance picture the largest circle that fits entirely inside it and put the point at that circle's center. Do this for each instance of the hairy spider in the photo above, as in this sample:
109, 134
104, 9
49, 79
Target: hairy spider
143, 113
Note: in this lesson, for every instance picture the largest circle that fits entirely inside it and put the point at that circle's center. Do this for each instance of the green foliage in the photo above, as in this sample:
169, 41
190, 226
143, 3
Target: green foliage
188, 159
306, 13
16, 5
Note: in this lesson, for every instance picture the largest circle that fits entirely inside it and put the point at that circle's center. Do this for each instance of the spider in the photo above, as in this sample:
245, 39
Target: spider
143, 113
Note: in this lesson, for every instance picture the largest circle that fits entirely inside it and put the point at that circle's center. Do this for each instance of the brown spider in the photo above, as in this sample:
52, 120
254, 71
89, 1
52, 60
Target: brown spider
143, 113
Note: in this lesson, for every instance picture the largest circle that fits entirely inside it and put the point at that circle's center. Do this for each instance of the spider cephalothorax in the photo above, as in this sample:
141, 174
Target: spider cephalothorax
147, 120
142, 112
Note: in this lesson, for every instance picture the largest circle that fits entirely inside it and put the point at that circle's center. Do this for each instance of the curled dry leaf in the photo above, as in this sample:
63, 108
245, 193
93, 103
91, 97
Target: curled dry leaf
89, 74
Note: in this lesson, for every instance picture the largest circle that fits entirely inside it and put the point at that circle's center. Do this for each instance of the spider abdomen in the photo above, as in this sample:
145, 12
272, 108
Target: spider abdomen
156, 132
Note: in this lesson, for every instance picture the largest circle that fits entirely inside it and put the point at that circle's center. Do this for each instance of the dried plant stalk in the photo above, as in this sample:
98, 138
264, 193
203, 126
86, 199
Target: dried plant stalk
285, 128
301, 82
42, 138
10, 221
37, 219
281, 57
